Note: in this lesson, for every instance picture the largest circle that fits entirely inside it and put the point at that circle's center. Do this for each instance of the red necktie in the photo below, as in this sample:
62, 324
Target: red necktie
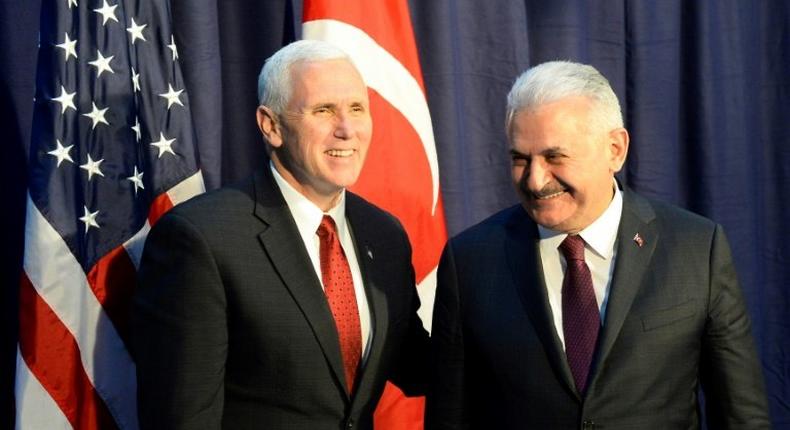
339, 290
581, 320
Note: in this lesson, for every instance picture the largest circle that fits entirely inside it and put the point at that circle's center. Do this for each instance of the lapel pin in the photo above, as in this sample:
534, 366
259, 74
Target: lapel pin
639, 241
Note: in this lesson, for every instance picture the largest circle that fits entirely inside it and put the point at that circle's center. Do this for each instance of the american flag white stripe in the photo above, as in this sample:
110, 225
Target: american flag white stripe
60, 281
42, 412
187, 189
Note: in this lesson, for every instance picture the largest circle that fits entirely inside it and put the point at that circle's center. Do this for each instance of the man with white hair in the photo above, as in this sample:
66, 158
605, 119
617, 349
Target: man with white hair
587, 306
283, 302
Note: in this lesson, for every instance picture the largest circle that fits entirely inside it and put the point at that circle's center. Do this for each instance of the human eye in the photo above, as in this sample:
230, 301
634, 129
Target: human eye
322, 110
554, 157
518, 160
358, 108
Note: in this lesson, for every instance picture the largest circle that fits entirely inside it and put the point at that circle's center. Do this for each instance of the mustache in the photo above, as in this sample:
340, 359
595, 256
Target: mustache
553, 187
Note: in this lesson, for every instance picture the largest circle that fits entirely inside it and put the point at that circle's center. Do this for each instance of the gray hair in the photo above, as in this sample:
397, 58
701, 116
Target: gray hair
274, 81
554, 80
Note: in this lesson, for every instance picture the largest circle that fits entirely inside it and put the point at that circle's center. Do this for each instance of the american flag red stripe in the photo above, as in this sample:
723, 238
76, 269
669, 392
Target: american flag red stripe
401, 172
53, 357
112, 150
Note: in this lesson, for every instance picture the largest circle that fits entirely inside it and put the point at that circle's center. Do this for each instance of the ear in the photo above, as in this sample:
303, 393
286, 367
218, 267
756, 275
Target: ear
617, 143
269, 126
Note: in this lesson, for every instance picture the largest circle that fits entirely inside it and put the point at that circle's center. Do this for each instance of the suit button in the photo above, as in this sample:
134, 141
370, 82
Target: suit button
350, 424
588, 425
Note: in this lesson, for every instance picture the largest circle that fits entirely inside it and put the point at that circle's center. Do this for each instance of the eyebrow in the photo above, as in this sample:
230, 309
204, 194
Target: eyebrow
551, 150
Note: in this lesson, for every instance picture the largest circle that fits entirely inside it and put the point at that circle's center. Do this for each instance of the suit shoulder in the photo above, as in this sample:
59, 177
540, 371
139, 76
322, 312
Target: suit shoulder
676, 218
367, 212
221, 203
493, 227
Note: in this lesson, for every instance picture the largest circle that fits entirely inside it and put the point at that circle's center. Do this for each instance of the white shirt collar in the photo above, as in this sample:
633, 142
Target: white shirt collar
600, 236
306, 213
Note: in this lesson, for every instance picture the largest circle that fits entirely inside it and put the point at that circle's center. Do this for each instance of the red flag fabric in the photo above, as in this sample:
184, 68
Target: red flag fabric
401, 173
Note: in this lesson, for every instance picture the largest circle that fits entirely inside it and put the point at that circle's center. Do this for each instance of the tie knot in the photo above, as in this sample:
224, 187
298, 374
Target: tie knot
327, 226
573, 247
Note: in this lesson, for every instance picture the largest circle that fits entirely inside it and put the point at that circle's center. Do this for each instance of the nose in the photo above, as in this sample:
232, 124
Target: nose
344, 126
537, 175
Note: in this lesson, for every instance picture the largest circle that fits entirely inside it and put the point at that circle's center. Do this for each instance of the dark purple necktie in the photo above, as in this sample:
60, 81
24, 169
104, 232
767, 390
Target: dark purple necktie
581, 320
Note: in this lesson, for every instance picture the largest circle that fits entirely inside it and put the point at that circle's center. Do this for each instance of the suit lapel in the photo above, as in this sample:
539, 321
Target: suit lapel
523, 255
282, 243
636, 242
363, 233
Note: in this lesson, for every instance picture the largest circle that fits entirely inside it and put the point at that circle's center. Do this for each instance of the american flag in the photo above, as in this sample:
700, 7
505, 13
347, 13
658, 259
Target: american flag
112, 150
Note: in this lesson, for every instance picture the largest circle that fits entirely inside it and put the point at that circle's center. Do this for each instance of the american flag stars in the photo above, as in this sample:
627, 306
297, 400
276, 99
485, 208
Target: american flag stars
97, 115
72, 141
102, 64
92, 167
66, 99
89, 219
136, 31
61, 152
172, 96
119, 74
164, 145
68, 46
107, 12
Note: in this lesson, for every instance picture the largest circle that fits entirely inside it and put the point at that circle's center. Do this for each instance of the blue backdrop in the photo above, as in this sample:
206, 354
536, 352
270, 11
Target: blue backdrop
705, 87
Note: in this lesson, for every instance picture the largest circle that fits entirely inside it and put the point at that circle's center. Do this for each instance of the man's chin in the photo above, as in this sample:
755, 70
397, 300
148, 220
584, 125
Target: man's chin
544, 218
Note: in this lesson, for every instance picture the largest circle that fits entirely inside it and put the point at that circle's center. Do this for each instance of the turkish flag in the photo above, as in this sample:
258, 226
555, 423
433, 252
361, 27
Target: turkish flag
401, 173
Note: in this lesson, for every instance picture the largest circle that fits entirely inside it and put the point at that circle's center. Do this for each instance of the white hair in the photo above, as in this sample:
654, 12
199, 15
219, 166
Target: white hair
555, 80
274, 81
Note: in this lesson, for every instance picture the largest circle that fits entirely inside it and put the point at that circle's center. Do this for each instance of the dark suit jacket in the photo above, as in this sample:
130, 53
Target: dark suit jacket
675, 319
231, 328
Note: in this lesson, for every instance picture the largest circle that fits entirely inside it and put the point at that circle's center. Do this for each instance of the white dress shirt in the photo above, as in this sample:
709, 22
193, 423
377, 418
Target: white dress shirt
308, 217
599, 254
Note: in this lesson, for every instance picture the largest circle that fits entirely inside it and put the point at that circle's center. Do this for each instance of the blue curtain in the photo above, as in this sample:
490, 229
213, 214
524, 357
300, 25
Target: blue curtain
704, 84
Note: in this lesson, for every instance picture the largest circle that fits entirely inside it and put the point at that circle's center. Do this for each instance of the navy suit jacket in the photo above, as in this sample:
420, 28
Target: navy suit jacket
675, 320
231, 328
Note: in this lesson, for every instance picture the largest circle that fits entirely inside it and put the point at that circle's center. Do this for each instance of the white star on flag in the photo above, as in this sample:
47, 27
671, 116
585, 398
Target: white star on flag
61, 152
69, 47
107, 12
66, 99
97, 115
172, 47
135, 80
137, 180
136, 128
92, 167
89, 219
172, 96
101, 63
136, 31
164, 145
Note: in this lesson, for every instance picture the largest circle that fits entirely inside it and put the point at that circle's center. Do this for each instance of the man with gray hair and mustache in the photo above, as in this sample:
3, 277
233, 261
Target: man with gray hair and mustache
587, 306
285, 301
